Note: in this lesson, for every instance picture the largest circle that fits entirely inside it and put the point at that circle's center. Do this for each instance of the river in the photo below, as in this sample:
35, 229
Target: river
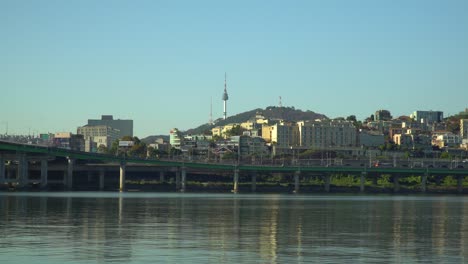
105, 227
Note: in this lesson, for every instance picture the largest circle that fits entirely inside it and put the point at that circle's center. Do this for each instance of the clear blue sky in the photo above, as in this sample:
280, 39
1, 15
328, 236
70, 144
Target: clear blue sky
160, 62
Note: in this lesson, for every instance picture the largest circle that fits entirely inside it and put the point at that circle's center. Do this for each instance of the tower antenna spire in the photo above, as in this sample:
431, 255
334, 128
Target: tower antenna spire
211, 111
225, 97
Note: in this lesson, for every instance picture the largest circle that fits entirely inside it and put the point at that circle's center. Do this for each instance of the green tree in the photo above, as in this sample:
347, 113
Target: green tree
445, 155
175, 152
102, 149
351, 118
235, 131
138, 150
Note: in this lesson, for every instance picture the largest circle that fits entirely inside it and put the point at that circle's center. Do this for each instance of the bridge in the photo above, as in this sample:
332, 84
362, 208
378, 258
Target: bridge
23, 164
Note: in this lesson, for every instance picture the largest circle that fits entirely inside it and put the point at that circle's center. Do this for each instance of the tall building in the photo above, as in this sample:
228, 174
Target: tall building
100, 135
327, 133
225, 98
428, 117
124, 126
282, 135
175, 138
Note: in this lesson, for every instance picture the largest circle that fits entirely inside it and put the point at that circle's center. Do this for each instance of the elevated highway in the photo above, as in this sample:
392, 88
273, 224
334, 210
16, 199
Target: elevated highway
19, 161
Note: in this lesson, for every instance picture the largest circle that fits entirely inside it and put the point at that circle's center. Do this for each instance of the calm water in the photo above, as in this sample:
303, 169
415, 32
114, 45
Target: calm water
218, 228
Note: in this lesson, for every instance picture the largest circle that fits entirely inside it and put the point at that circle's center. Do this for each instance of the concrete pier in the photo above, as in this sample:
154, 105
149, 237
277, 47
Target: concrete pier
90, 176
122, 177
2, 169
101, 179
363, 181
297, 175
396, 183
424, 182
460, 183
161, 176
236, 181
184, 179
22, 170
44, 173
254, 181
177, 178
327, 180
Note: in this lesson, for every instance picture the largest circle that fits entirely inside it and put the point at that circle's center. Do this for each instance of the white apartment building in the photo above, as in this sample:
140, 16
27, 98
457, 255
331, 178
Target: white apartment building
100, 134
322, 134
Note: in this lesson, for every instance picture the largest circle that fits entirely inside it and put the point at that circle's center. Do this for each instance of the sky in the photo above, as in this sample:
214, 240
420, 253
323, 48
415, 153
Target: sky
162, 63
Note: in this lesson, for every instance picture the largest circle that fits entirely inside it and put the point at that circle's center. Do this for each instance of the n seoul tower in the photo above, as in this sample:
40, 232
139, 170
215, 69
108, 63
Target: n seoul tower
225, 97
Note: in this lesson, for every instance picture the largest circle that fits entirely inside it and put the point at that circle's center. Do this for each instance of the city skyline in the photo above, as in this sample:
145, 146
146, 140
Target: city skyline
161, 63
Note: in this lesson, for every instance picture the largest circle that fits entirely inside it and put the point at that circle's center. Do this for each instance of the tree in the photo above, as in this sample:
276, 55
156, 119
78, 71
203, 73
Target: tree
154, 153
235, 131
351, 118
138, 150
445, 155
102, 149
175, 152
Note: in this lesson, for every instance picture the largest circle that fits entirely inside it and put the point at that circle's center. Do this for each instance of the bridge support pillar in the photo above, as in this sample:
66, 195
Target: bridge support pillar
161, 176
236, 181
90, 176
327, 180
254, 181
69, 174
2, 169
424, 182
44, 173
297, 175
184, 179
363, 181
177, 177
102, 173
122, 177
22, 170
460, 183
396, 183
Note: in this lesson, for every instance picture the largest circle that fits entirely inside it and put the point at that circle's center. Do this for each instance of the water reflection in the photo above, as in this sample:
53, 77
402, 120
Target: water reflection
141, 228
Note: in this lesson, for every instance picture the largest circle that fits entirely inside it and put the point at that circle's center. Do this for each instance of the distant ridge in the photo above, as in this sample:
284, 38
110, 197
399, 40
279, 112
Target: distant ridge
271, 112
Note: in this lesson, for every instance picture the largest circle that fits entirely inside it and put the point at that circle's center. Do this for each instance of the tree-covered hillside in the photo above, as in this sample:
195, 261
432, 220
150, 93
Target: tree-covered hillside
271, 112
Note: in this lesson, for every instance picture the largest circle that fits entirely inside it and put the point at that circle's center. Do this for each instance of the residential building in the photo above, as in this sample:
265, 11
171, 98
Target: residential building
322, 134
125, 127
446, 139
249, 147
282, 135
221, 131
382, 126
428, 117
175, 138
464, 144
371, 138
216, 131
70, 141
413, 141
101, 135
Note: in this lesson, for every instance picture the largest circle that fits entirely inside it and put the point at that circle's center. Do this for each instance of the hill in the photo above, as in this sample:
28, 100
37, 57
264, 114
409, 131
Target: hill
152, 139
271, 112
